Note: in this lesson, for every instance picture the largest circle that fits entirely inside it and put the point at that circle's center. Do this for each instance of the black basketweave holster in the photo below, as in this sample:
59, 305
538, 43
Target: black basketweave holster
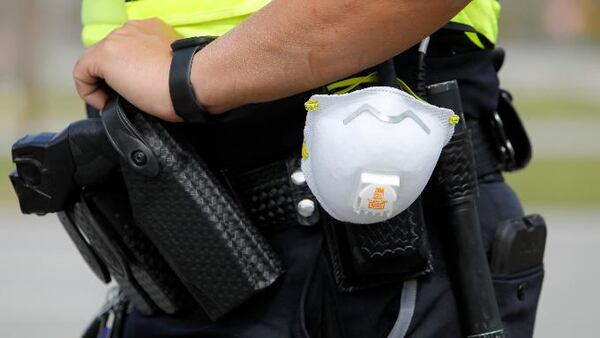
145, 210
120, 251
194, 222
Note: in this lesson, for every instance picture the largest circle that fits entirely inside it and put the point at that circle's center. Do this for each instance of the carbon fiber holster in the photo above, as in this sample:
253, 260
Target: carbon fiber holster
188, 214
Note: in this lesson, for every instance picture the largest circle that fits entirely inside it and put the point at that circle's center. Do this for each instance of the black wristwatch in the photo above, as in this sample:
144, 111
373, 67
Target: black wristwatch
180, 86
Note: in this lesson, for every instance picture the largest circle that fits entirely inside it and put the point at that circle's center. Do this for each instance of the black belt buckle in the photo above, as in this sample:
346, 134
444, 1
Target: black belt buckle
512, 142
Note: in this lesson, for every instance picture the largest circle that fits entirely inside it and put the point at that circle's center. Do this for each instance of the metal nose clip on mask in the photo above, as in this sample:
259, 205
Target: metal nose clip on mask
368, 154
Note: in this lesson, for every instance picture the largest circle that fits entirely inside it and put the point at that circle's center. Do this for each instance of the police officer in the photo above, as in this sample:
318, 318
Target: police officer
268, 57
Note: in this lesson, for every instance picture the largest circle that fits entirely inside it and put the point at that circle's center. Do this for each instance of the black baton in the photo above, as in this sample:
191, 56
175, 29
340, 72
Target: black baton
455, 180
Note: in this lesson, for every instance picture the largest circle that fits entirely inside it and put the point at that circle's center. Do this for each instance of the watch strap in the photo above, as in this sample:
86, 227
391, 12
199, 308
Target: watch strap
184, 99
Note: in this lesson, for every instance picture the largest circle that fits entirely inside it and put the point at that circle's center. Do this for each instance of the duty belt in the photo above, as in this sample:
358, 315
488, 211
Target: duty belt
274, 196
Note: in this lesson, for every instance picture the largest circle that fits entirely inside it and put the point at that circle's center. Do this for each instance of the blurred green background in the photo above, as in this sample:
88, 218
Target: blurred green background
552, 69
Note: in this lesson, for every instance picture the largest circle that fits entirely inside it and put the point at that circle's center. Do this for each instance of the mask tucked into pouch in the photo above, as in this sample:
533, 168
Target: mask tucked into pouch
368, 155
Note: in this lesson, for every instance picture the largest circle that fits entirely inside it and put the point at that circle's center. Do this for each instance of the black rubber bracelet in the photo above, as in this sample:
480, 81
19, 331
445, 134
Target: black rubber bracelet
184, 99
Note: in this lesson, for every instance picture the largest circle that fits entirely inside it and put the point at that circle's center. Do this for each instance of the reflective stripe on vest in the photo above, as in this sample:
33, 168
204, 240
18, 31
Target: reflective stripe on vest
216, 17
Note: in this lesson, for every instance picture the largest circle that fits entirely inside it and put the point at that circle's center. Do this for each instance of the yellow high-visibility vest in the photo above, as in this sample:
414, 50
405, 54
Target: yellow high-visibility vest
216, 17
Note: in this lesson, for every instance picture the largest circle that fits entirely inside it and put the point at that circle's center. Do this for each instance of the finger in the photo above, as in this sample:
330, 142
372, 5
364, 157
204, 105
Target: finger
87, 80
94, 96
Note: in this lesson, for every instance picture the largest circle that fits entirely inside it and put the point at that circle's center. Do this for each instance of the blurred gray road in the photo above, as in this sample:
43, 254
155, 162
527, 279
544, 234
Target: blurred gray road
47, 291
570, 294
548, 67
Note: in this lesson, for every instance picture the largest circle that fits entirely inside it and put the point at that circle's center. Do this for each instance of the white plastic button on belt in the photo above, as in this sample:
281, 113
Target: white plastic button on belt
306, 207
298, 177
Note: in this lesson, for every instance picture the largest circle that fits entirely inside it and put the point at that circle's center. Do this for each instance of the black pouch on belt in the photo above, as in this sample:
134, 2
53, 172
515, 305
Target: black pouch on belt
185, 211
368, 255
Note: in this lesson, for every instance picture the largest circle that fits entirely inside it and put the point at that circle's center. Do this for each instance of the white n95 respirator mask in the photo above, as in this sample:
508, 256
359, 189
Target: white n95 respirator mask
368, 155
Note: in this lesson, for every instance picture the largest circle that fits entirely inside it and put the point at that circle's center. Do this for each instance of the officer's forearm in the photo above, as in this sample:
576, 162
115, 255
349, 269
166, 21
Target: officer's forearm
294, 45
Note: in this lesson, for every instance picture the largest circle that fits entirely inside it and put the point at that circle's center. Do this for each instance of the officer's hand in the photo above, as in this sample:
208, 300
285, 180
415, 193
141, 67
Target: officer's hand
133, 60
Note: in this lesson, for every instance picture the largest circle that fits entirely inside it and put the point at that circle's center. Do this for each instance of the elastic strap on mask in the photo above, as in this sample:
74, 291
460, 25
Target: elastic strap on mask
347, 85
